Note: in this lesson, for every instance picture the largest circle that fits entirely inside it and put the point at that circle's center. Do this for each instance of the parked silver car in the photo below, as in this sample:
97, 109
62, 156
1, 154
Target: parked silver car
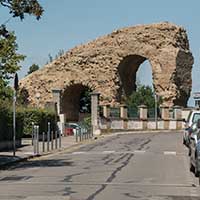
192, 131
195, 150
193, 117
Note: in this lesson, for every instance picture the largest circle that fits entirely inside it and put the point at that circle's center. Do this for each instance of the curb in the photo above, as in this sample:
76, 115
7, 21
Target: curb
9, 164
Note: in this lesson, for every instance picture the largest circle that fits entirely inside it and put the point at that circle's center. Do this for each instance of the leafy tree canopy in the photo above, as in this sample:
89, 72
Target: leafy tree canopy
33, 68
9, 58
9, 63
142, 96
18, 8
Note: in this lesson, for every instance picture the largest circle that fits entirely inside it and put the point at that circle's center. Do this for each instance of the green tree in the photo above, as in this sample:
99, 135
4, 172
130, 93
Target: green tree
143, 95
18, 8
9, 63
9, 58
33, 68
85, 101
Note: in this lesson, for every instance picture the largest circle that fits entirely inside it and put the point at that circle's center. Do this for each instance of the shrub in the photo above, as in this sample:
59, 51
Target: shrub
39, 117
24, 119
6, 124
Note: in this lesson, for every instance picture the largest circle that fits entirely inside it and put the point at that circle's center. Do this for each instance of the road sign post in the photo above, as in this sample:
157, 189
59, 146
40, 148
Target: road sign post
14, 112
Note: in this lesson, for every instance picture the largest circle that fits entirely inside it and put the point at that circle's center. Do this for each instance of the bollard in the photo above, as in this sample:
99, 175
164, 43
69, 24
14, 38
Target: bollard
32, 134
82, 136
48, 136
79, 133
37, 131
34, 139
59, 139
51, 140
90, 133
56, 142
76, 134
43, 142
87, 133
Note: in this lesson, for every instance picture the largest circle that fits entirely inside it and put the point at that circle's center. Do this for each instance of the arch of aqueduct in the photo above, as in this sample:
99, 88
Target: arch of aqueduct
109, 64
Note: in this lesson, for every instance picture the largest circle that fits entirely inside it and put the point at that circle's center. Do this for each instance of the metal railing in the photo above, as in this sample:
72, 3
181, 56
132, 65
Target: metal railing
133, 113
115, 112
151, 113
83, 133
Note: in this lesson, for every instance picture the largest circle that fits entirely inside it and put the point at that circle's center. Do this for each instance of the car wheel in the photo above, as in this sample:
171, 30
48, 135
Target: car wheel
189, 152
196, 172
184, 141
191, 167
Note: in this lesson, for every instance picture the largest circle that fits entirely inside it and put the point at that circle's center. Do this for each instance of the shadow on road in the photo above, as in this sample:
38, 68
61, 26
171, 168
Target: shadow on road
43, 163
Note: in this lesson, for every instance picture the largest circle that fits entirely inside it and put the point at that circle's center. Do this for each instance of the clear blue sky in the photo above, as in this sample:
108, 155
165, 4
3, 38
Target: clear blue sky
66, 24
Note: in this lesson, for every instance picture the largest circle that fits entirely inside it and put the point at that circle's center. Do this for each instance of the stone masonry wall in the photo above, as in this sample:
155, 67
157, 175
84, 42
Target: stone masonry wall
96, 65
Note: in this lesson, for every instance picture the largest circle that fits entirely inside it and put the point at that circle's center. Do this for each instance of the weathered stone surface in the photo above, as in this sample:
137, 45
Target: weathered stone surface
109, 65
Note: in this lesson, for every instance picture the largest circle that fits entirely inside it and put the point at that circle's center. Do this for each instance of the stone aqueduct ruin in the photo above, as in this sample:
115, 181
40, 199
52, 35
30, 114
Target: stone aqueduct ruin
109, 64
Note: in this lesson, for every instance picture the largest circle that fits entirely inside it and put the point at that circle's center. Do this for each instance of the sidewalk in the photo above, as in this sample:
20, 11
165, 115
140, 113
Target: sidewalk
26, 151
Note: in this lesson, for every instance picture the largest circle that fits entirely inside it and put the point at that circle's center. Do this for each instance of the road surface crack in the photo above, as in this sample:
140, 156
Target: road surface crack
112, 176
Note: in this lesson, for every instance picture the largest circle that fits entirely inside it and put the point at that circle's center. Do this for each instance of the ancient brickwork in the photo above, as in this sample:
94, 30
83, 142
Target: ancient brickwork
109, 64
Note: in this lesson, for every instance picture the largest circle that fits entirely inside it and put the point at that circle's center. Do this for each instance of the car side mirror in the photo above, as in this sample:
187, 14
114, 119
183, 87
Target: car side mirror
198, 124
183, 120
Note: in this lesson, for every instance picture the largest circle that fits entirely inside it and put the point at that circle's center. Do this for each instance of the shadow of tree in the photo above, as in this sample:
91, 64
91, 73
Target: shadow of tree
44, 163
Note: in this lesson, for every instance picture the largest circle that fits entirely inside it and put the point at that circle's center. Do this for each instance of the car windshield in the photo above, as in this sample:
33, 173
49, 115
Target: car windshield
196, 117
73, 125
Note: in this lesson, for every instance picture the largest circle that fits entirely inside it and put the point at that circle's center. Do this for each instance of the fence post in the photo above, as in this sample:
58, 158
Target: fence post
48, 135
143, 116
106, 111
94, 113
178, 116
165, 116
43, 142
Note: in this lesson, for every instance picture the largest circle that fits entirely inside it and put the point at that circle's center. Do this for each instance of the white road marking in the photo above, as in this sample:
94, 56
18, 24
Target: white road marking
29, 153
169, 153
123, 152
139, 151
79, 152
108, 152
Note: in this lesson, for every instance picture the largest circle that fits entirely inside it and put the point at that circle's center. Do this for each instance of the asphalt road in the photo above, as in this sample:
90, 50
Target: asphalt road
141, 166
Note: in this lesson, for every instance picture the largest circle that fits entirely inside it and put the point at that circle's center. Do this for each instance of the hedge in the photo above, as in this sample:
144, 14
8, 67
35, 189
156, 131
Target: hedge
24, 119
39, 117
6, 124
